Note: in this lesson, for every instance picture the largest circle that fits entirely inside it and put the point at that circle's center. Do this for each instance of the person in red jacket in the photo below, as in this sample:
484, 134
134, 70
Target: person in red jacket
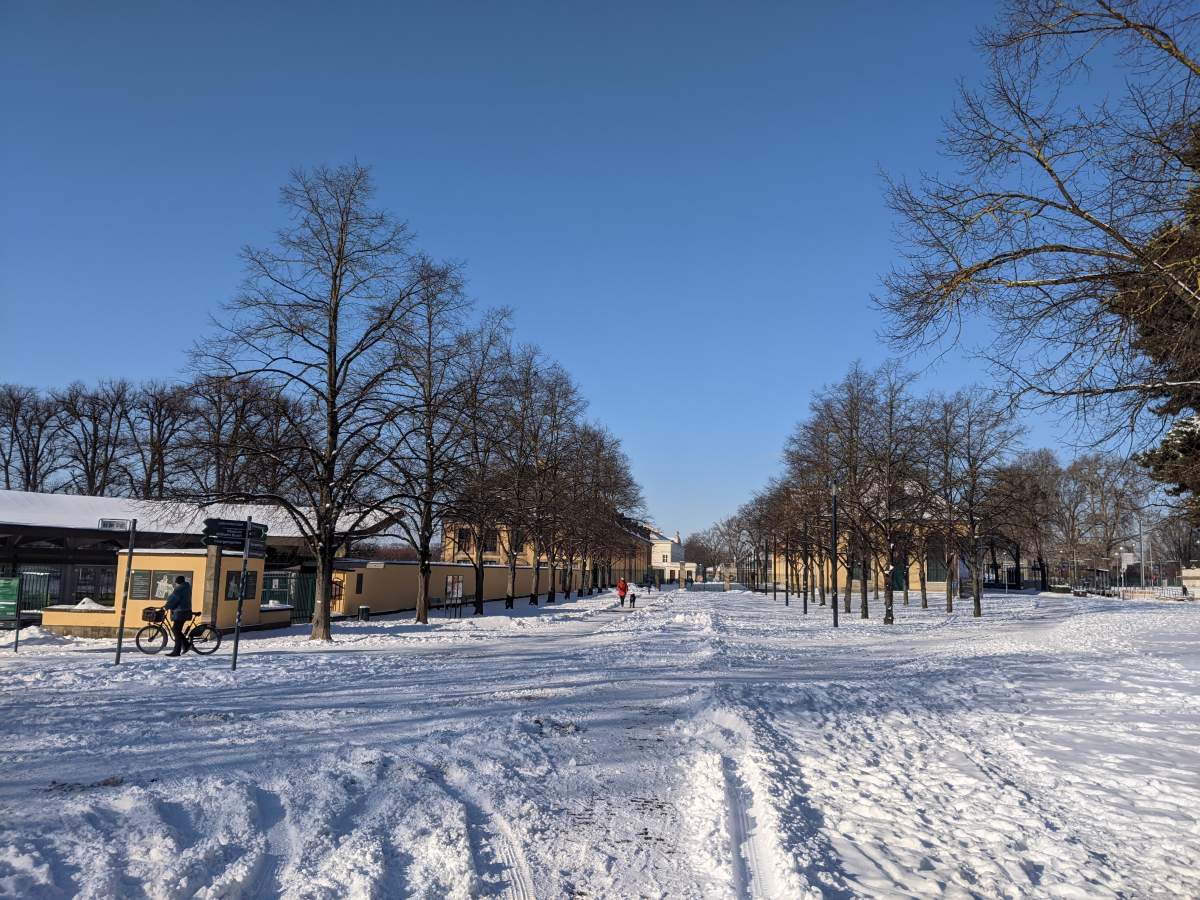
622, 588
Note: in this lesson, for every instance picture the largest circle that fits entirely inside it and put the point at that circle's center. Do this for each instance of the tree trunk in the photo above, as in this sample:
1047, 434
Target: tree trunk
511, 590
422, 614
977, 584
479, 587
922, 575
864, 611
321, 604
821, 576
1045, 575
951, 580
904, 573
550, 585
537, 577
848, 594
889, 592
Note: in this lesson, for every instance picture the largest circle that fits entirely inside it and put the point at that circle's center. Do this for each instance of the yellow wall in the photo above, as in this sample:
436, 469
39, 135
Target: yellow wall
874, 577
190, 564
392, 586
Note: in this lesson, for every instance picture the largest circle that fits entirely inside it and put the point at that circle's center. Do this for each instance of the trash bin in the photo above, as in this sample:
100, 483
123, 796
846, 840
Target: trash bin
364, 613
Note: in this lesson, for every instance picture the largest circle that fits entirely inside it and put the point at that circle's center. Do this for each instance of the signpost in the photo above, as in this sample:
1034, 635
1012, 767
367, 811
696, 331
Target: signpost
230, 534
10, 605
125, 597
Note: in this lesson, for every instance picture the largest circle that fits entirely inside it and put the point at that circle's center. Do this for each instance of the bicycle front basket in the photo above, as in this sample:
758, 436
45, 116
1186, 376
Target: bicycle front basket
153, 614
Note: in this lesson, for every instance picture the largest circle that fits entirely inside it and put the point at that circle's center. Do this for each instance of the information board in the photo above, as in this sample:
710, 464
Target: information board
139, 584
9, 589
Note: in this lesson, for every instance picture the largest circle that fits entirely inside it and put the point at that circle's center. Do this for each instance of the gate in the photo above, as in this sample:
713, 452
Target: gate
36, 590
295, 589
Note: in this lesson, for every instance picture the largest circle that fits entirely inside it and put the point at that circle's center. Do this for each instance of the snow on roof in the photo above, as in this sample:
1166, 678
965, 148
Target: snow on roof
160, 516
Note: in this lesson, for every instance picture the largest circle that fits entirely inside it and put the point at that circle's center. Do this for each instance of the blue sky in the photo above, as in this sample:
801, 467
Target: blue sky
680, 202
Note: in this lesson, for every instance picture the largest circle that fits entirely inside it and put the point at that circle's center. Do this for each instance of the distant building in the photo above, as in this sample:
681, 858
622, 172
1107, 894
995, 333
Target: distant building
666, 558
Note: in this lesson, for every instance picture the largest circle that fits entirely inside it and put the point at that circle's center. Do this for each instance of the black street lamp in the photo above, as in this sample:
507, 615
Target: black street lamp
787, 567
833, 547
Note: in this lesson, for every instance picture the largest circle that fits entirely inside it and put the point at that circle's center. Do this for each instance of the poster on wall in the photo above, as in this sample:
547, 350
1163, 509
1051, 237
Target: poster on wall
164, 583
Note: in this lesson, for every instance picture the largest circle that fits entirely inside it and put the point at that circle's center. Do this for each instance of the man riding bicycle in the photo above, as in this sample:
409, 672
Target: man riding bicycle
179, 606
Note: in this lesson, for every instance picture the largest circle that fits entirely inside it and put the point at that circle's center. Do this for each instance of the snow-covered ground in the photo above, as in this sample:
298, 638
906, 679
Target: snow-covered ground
703, 745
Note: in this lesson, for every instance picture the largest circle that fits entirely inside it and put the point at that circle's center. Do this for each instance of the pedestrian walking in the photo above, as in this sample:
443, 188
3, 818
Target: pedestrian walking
622, 589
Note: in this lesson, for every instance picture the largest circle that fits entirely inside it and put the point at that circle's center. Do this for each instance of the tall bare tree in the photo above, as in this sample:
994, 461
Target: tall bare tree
156, 422
93, 430
315, 321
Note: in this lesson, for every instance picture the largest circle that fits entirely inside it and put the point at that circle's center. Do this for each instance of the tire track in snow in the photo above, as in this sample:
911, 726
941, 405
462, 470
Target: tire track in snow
755, 848
492, 835
739, 830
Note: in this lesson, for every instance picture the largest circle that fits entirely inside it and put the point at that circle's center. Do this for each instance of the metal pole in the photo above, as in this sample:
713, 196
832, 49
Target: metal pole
787, 568
833, 559
774, 563
125, 592
237, 623
807, 567
17, 633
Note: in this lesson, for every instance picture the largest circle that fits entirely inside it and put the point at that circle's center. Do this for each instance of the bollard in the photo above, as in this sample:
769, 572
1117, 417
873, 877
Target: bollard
364, 614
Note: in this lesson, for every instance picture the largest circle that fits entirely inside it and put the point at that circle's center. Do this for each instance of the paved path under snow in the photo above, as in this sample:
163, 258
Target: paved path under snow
704, 745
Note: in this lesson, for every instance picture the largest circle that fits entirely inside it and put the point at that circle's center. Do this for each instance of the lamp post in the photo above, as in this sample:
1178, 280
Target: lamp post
774, 562
833, 548
787, 567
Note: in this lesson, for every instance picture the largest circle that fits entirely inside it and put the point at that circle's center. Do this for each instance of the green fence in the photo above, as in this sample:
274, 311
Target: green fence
296, 589
37, 592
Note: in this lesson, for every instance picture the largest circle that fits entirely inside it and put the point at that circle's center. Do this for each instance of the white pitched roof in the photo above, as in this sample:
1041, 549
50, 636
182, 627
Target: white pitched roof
166, 517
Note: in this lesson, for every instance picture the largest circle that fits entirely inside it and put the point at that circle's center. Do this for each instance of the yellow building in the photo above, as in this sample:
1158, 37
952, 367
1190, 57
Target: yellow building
850, 578
630, 562
154, 574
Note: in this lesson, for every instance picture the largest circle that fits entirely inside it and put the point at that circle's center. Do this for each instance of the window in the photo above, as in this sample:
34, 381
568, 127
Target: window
98, 583
463, 540
666, 557
358, 583
233, 581
491, 540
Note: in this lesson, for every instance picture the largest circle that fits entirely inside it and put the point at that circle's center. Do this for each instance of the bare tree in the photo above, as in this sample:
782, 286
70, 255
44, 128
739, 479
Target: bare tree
477, 497
1057, 201
427, 387
891, 450
156, 421
314, 321
93, 430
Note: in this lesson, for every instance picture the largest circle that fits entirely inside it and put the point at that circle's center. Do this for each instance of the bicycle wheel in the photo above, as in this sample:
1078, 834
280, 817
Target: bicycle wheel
204, 639
151, 639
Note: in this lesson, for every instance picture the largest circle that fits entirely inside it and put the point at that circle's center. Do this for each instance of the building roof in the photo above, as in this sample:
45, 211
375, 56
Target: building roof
158, 516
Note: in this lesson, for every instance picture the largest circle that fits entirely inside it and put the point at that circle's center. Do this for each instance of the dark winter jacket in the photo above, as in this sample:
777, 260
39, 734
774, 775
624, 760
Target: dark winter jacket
179, 604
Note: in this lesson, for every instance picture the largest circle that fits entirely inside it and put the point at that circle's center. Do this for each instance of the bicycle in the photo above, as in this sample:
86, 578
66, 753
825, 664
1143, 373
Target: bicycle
198, 636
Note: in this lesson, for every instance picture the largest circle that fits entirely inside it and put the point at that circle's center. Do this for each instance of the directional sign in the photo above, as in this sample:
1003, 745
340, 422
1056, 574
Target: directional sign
233, 526
257, 548
230, 534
